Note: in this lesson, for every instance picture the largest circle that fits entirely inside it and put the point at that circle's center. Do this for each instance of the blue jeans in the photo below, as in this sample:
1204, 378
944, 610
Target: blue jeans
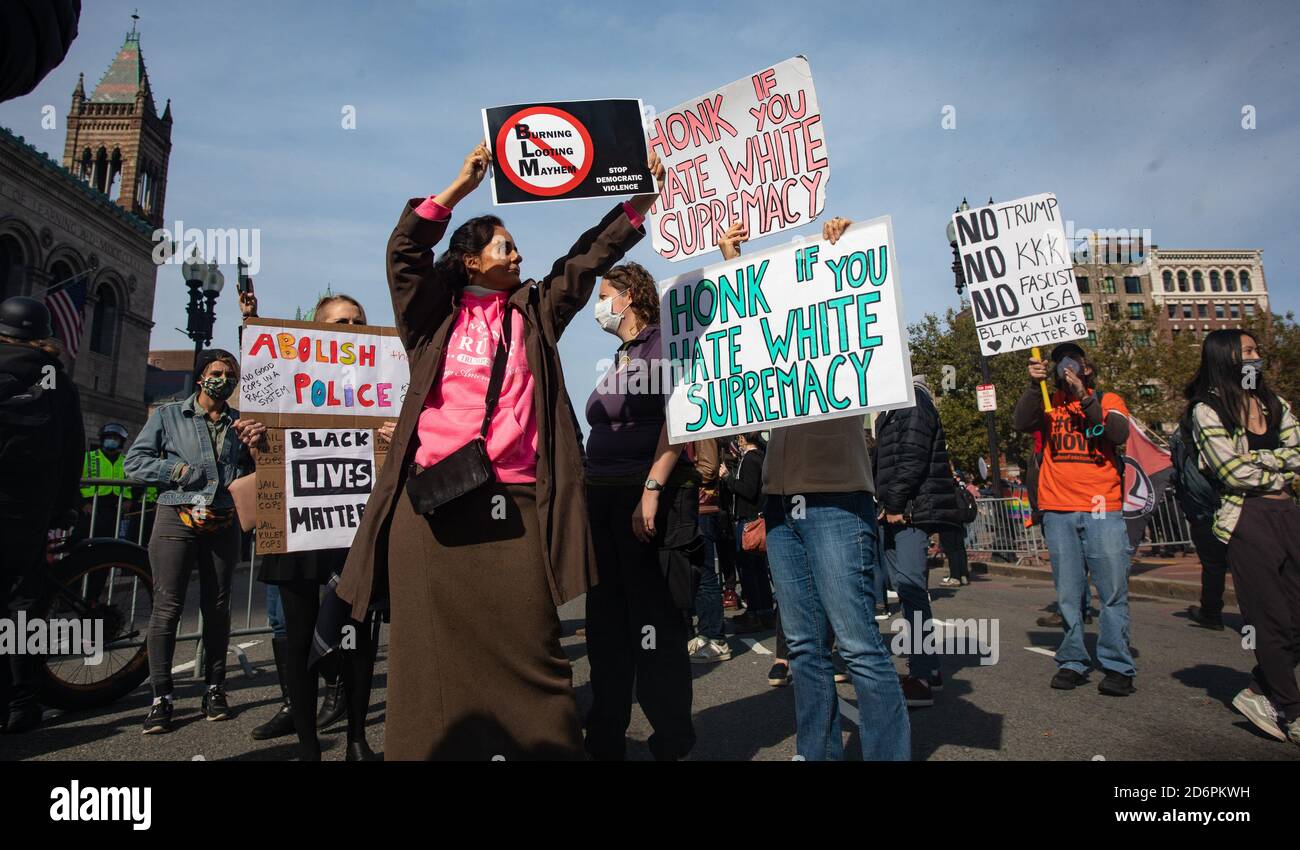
708, 596
275, 611
823, 566
905, 547
1076, 538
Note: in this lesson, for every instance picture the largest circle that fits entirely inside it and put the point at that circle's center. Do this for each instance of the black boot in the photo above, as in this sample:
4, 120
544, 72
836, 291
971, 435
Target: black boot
282, 723
334, 706
359, 750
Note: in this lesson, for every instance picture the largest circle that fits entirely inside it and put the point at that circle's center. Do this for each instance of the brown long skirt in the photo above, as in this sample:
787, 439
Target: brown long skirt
475, 667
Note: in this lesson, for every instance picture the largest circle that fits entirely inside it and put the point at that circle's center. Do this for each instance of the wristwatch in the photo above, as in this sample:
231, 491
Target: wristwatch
651, 484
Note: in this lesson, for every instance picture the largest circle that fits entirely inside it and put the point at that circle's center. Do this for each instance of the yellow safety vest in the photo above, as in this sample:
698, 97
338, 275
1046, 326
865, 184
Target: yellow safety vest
97, 465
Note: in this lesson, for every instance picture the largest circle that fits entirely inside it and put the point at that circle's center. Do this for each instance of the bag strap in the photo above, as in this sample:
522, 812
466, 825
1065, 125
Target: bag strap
498, 372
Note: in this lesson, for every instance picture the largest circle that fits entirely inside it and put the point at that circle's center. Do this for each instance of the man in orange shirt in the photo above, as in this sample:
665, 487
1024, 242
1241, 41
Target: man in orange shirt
1080, 494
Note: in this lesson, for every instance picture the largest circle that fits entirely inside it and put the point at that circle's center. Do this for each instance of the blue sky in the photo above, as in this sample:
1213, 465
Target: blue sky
1129, 111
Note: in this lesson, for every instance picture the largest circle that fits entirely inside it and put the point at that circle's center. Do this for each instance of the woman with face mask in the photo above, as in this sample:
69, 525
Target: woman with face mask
191, 451
1249, 442
478, 520
293, 588
643, 502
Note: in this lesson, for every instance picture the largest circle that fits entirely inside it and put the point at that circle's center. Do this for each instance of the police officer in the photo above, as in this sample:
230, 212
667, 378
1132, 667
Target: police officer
41, 445
107, 502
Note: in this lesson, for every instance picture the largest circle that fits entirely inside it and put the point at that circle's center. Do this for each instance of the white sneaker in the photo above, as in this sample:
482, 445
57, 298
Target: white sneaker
693, 645
891, 596
711, 651
1259, 710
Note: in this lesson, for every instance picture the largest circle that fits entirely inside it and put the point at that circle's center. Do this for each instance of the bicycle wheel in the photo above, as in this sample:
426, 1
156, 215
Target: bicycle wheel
97, 605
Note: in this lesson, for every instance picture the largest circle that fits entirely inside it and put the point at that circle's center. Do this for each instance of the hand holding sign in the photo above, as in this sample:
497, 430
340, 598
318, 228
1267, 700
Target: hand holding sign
643, 203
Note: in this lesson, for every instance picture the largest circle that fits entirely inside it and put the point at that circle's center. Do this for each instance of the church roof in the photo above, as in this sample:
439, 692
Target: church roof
125, 76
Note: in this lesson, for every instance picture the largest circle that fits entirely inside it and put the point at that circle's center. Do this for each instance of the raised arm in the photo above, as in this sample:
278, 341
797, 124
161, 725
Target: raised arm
420, 300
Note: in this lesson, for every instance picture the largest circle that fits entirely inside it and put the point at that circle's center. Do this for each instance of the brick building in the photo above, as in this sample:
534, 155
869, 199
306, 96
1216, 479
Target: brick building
92, 217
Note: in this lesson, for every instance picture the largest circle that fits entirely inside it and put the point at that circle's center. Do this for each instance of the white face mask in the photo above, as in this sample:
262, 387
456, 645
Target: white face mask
606, 317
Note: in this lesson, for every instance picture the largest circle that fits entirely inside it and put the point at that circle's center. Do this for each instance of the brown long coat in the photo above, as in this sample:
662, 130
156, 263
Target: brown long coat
425, 307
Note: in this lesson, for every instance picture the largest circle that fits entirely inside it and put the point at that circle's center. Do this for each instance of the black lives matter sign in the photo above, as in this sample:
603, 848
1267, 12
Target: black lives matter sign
569, 150
1020, 275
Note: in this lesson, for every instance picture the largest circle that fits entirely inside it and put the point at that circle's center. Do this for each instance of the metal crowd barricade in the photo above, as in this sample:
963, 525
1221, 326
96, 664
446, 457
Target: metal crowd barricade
140, 515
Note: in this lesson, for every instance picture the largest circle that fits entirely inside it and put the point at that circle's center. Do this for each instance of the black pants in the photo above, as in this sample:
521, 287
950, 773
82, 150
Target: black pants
1213, 554
1264, 554
176, 551
301, 600
636, 632
953, 542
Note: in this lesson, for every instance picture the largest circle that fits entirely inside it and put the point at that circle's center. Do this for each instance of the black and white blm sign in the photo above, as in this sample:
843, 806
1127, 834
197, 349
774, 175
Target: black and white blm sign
1021, 277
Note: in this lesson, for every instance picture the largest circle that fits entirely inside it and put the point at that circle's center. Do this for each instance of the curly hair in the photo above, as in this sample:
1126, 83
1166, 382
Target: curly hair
468, 240
645, 294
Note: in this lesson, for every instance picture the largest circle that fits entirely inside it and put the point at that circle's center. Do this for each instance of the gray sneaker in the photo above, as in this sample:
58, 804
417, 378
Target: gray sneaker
711, 651
1293, 732
1260, 710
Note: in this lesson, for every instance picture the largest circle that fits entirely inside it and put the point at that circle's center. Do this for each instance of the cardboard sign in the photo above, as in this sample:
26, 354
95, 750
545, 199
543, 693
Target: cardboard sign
986, 396
752, 152
801, 332
321, 375
1020, 275
312, 487
563, 151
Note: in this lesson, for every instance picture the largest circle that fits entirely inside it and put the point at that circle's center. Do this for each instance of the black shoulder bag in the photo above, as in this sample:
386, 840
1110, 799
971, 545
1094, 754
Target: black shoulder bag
469, 467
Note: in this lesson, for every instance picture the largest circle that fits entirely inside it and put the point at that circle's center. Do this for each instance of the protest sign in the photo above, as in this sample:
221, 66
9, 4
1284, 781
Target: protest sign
1020, 276
312, 487
321, 375
800, 332
752, 152
564, 151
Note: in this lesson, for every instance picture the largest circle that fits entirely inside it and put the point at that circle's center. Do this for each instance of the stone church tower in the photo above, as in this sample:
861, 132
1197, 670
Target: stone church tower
116, 141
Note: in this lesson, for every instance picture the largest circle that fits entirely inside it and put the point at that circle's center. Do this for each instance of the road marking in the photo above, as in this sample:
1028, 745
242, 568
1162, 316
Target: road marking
756, 646
1048, 652
189, 665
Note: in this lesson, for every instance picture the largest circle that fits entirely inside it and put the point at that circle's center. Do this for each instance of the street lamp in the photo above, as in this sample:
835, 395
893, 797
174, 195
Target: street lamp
990, 422
205, 282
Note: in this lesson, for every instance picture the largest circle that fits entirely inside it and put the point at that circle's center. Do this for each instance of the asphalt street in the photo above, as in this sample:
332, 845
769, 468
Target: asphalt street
1187, 677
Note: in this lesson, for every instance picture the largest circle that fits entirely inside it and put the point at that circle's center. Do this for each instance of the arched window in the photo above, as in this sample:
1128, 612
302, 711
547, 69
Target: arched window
1245, 281
1216, 285
87, 165
100, 181
1168, 279
1198, 281
104, 325
1230, 281
1182, 281
11, 267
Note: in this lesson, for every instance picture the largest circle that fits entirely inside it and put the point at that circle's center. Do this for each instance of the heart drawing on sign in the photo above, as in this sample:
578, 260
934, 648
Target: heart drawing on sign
995, 344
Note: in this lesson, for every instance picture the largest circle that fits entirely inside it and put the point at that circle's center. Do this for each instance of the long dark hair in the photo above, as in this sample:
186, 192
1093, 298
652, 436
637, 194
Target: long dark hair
1219, 378
469, 240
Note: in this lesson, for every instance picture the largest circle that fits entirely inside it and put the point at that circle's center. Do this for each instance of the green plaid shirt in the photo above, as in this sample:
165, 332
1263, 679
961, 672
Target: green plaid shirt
1241, 471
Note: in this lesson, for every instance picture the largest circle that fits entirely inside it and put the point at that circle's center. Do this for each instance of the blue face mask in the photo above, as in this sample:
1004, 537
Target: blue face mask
111, 444
1068, 363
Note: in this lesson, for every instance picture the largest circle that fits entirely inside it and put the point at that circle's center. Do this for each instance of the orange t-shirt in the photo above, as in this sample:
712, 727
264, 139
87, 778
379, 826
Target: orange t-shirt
1076, 468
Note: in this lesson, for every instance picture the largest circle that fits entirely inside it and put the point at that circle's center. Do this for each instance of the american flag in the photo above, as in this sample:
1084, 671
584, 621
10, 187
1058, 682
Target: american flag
66, 306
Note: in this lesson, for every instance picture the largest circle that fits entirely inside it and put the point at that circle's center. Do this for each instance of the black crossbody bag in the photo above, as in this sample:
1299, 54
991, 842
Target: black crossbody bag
469, 467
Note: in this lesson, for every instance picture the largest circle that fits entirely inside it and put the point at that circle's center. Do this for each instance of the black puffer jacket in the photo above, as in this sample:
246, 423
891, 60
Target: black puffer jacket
912, 472
42, 440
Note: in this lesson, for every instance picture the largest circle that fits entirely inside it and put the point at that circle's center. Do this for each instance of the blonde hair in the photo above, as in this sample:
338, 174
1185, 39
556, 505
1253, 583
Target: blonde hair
50, 345
326, 300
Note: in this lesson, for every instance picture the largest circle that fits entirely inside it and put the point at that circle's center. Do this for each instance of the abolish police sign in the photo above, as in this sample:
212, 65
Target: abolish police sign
563, 151
797, 333
312, 487
1021, 278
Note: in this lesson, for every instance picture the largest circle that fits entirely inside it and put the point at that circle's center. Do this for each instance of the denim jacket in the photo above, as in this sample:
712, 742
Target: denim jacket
174, 435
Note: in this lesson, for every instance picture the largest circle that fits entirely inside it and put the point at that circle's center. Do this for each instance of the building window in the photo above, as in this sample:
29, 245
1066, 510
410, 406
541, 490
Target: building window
1250, 310
1245, 281
1234, 311
1187, 311
1083, 284
1112, 310
1168, 279
1176, 333
1173, 311
1218, 311
1148, 391
1135, 310
1216, 285
1230, 281
1133, 285
1108, 286
1092, 337
103, 328
1198, 282
1202, 311
1141, 340
11, 267
1087, 312
1182, 281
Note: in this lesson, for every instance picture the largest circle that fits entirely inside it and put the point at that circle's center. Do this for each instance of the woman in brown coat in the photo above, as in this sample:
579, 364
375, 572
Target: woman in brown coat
476, 670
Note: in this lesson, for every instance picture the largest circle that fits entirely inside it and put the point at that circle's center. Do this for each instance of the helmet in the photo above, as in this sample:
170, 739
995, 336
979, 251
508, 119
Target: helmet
113, 429
25, 318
